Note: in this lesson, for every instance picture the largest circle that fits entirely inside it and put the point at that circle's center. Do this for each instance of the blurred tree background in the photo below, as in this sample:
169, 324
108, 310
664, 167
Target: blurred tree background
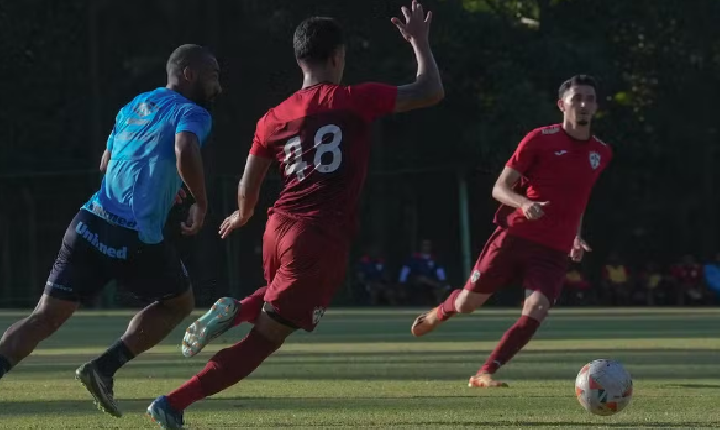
69, 65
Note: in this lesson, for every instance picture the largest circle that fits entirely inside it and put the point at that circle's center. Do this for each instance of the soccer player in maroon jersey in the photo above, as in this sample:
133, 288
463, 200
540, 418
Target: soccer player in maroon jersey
543, 191
320, 136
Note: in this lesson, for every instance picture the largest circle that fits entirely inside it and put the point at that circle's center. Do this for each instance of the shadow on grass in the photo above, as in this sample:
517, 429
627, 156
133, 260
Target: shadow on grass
392, 405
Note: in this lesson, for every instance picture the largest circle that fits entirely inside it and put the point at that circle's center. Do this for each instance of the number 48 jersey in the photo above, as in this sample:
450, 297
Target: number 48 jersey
321, 137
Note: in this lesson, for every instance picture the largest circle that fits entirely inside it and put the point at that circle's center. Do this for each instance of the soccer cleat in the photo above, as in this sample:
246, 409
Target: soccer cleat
164, 415
208, 327
484, 380
426, 323
100, 386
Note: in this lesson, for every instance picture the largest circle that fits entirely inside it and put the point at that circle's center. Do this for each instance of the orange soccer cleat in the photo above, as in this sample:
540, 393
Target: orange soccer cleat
426, 323
485, 380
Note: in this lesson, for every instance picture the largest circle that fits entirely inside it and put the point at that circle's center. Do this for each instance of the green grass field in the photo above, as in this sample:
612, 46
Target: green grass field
361, 368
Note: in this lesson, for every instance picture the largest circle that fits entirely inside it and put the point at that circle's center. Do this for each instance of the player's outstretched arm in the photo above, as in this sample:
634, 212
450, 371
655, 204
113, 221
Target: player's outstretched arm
427, 90
248, 193
249, 187
504, 193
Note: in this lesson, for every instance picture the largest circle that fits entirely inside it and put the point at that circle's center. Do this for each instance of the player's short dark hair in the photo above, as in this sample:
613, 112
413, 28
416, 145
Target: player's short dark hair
316, 39
184, 56
577, 80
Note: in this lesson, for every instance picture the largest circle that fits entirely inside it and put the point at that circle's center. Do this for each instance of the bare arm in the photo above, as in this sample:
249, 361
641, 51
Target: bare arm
105, 160
249, 186
190, 167
503, 189
427, 89
248, 192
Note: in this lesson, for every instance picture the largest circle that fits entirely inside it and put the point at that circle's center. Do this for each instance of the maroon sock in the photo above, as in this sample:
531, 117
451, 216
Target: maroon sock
447, 308
250, 307
224, 369
511, 343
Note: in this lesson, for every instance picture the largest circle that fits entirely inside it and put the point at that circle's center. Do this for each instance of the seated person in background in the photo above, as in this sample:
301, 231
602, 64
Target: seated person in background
371, 278
711, 273
577, 288
688, 281
422, 278
651, 285
615, 282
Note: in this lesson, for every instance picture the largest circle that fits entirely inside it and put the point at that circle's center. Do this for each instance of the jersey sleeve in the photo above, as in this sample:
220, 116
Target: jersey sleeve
259, 146
110, 140
372, 99
525, 154
196, 120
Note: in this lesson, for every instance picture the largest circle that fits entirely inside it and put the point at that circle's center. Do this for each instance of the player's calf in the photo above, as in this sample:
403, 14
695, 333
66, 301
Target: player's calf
459, 301
21, 338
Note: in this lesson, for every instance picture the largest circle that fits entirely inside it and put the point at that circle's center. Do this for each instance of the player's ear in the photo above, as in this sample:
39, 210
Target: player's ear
561, 105
189, 74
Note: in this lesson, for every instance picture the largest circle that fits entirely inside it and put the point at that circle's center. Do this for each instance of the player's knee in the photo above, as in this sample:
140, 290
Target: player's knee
50, 314
273, 326
465, 306
182, 305
46, 321
536, 305
467, 301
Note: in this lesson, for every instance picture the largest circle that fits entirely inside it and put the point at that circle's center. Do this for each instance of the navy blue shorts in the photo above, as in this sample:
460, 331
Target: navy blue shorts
94, 252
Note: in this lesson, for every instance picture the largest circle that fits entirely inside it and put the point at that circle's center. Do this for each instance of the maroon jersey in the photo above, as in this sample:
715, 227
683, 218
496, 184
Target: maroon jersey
558, 169
321, 137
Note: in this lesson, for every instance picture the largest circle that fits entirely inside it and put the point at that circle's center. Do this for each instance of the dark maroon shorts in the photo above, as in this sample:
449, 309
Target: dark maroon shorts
506, 258
305, 263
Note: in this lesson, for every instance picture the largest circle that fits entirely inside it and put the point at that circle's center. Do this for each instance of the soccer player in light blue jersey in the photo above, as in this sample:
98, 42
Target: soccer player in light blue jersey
118, 234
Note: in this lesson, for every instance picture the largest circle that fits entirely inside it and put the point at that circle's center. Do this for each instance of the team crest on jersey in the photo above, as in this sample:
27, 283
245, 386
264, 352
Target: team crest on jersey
317, 314
594, 160
475, 275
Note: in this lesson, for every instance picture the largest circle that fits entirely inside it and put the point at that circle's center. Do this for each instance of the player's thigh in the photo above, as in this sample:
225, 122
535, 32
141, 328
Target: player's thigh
80, 270
275, 229
496, 266
154, 272
545, 270
313, 263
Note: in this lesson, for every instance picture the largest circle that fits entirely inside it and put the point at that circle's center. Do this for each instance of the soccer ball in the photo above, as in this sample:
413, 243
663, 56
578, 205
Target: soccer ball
604, 387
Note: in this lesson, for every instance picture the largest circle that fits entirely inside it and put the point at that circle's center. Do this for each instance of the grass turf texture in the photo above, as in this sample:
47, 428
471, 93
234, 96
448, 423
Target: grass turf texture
362, 368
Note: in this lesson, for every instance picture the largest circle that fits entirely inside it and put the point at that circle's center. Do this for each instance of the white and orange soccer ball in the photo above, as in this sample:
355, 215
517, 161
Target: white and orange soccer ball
604, 387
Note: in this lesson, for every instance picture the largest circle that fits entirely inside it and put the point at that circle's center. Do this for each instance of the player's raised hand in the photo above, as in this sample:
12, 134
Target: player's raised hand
580, 247
234, 221
194, 222
533, 210
417, 24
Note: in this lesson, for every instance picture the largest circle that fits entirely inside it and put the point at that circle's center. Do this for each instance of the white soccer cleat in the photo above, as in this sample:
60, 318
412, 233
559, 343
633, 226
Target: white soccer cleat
208, 327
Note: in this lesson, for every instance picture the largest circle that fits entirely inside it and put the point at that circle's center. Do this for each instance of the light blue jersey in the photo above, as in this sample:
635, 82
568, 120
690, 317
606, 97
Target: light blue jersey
139, 187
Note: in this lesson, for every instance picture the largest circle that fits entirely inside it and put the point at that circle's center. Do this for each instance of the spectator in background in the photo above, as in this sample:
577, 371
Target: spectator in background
688, 281
372, 281
616, 285
651, 286
422, 279
712, 277
576, 288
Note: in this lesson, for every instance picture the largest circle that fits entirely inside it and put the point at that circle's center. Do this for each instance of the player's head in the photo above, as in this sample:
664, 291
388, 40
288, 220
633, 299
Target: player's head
319, 46
577, 99
194, 71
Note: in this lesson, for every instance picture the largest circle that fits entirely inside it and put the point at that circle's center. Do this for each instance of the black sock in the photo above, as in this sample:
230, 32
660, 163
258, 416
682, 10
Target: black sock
114, 358
5, 366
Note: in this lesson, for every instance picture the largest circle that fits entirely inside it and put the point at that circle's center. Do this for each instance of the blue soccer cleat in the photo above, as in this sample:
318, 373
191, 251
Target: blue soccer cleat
165, 416
208, 327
